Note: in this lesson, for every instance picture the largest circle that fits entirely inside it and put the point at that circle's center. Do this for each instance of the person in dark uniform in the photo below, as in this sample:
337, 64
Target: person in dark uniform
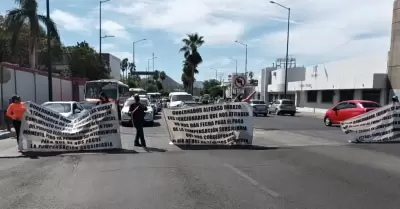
103, 99
137, 112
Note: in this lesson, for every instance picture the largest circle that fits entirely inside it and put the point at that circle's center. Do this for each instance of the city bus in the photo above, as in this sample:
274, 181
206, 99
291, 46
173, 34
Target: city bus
139, 91
116, 91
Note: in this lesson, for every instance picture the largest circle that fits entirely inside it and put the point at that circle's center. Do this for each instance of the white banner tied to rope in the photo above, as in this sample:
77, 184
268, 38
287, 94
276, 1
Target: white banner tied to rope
379, 125
44, 130
218, 124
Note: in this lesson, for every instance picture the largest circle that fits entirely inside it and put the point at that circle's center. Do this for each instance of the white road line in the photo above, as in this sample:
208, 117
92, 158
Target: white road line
252, 181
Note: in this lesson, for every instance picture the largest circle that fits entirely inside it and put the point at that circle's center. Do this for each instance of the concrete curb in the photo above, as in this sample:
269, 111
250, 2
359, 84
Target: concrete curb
6, 135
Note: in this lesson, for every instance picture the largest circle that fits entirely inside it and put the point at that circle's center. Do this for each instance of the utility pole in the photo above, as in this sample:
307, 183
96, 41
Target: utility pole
133, 52
287, 43
49, 67
153, 62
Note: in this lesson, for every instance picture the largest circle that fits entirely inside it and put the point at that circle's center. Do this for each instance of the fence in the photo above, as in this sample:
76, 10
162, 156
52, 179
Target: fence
32, 85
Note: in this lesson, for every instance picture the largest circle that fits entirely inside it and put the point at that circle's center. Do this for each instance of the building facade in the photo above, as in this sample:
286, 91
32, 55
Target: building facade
114, 63
319, 87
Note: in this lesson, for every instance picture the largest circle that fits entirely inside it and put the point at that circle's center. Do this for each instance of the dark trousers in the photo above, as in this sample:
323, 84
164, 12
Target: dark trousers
140, 135
17, 127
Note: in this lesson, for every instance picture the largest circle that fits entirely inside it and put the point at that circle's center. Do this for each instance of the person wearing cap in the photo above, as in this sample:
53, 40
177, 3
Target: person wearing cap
137, 112
16, 111
103, 99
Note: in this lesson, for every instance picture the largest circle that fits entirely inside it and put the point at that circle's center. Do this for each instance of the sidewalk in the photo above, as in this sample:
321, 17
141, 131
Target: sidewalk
4, 134
310, 114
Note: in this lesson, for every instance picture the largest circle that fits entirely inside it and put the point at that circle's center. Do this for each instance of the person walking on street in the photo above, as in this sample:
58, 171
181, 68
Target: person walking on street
137, 111
103, 99
16, 112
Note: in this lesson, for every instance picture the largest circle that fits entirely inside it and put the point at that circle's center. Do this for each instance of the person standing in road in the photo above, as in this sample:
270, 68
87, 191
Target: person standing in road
16, 111
103, 99
137, 111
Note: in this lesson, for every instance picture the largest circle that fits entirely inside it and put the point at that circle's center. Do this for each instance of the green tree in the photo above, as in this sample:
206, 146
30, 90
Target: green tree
83, 61
163, 75
156, 75
27, 13
159, 85
251, 75
124, 66
192, 57
216, 91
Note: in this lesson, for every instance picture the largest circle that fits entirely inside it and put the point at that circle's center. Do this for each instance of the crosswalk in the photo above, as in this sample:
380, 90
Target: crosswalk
296, 138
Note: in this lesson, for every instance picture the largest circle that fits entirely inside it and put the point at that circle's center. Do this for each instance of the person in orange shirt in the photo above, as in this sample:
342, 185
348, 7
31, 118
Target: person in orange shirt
16, 112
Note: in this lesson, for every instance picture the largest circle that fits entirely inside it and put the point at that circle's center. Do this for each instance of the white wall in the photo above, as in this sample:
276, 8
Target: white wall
358, 73
32, 85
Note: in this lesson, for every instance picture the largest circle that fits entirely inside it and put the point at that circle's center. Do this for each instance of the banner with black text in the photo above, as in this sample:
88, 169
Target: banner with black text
44, 130
379, 125
218, 124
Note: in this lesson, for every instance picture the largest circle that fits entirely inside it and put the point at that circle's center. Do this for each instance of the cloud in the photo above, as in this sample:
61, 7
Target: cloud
69, 21
112, 28
333, 31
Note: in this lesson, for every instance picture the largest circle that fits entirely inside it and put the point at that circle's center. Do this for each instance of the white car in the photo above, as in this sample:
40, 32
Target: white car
178, 98
126, 119
68, 109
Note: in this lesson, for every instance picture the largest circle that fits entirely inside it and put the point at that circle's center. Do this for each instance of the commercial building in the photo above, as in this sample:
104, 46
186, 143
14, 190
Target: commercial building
114, 63
317, 88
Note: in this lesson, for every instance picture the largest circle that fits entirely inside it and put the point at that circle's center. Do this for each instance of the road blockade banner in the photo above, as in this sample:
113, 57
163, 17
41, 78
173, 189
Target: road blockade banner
218, 124
379, 125
44, 130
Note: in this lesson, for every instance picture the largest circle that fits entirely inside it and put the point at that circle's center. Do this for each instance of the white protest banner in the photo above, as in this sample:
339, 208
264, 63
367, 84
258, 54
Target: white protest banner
379, 125
218, 124
44, 130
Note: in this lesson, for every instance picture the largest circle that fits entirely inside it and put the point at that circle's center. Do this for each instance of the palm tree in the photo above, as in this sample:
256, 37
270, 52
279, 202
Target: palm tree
251, 75
131, 68
124, 65
162, 75
156, 75
192, 57
27, 13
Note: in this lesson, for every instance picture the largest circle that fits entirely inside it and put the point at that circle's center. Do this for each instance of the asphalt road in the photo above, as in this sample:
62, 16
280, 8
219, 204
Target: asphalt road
310, 175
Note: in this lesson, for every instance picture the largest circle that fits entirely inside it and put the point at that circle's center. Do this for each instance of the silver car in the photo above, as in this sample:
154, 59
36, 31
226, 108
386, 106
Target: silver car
69, 109
282, 107
259, 107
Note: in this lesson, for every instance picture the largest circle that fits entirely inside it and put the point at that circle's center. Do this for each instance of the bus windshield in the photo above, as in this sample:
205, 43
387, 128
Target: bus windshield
139, 91
93, 90
154, 96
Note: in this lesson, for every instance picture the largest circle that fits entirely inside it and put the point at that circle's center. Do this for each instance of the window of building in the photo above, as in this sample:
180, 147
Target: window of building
327, 96
346, 95
312, 96
372, 95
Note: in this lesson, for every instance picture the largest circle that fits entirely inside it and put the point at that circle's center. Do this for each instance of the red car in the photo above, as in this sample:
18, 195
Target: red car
348, 109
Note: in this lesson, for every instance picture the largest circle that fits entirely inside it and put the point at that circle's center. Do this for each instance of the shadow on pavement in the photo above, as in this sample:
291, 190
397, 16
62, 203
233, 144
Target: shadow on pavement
157, 117
36, 155
219, 147
154, 149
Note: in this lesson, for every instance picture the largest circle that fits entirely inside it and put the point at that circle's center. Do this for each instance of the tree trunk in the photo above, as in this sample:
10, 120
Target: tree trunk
32, 53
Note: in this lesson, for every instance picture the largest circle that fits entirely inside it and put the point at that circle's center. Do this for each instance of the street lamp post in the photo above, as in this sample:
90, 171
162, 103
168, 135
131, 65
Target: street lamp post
287, 45
133, 51
148, 69
236, 69
50, 73
245, 62
100, 37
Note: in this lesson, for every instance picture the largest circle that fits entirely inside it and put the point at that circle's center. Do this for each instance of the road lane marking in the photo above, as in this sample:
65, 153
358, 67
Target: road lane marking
252, 181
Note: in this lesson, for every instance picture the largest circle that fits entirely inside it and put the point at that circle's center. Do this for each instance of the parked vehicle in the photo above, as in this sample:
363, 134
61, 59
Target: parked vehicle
259, 107
126, 119
282, 107
348, 109
67, 109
